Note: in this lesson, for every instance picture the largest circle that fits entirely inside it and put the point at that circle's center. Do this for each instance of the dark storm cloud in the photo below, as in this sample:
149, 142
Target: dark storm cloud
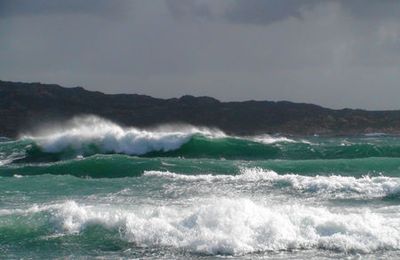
43, 7
340, 53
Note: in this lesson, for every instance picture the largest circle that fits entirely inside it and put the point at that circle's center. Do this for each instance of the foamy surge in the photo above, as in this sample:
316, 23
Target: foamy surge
83, 132
236, 226
338, 186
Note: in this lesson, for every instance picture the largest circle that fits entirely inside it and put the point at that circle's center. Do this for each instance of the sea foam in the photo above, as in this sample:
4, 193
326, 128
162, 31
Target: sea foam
236, 226
334, 185
268, 139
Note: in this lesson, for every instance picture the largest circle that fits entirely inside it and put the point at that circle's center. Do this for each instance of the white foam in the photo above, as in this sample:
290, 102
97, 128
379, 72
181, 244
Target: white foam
110, 137
366, 185
375, 134
33, 209
268, 139
82, 132
4, 162
246, 176
236, 226
7, 159
338, 186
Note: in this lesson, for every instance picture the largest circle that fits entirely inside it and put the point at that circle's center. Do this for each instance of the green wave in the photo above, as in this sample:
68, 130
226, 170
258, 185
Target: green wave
229, 148
36, 235
316, 148
114, 166
246, 149
199, 146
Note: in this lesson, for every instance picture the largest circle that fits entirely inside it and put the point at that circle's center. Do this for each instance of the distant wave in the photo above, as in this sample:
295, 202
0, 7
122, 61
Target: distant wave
376, 134
83, 132
116, 165
85, 136
90, 135
268, 139
4, 139
5, 161
332, 186
227, 226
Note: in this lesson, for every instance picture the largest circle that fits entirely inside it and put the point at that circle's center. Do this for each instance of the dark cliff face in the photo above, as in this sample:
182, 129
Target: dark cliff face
26, 105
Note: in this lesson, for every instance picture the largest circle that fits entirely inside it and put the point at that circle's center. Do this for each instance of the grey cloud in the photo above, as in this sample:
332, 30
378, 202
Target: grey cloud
371, 9
240, 11
265, 12
183, 9
23, 7
336, 54
269, 11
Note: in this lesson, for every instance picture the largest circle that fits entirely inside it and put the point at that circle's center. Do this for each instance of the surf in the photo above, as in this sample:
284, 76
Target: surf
87, 136
228, 226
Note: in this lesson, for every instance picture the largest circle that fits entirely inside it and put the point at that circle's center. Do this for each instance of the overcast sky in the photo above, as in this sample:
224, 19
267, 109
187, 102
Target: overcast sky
336, 53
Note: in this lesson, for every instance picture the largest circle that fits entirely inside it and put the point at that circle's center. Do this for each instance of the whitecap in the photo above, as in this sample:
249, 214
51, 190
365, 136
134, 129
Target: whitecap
236, 226
82, 132
339, 186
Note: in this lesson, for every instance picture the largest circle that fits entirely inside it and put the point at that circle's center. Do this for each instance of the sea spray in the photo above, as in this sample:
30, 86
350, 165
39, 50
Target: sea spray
88, 135
110, 137
85, 136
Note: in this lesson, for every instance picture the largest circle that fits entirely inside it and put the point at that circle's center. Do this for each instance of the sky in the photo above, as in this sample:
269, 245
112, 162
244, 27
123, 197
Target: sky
335, 53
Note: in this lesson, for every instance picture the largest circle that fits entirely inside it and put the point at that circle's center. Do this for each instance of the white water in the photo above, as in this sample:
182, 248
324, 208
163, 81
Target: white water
235, 226
81, 132
9, 158
337, 186
4, 162
268, 139
110, 137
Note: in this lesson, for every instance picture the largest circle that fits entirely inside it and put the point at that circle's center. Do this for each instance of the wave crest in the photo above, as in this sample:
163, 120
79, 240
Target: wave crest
334, 185
85, 133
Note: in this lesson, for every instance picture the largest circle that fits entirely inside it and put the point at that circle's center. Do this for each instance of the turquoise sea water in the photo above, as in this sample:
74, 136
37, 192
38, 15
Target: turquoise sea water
95, 189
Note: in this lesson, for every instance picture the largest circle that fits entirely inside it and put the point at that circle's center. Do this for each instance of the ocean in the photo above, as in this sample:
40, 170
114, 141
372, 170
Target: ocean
93, 189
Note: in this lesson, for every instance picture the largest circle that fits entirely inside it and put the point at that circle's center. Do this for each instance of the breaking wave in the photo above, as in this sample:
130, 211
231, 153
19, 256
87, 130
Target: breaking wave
85, 133
92, 135
231, 226
334, 185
